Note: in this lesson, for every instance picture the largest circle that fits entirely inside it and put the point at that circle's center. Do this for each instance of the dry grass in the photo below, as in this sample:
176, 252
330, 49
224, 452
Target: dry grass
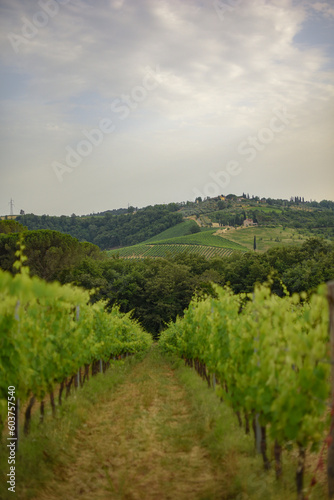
147, 430
142, 443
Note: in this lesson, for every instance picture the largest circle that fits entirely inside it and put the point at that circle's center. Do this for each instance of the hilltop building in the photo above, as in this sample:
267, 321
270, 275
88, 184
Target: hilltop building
249, 222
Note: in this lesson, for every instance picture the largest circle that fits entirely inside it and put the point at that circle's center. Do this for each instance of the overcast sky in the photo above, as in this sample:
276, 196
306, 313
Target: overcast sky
110, 102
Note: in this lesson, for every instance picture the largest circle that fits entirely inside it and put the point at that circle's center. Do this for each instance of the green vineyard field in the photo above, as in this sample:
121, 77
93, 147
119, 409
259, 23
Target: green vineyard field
270, 356
204, 243
182, 229
205, 251
143, 251
204, 238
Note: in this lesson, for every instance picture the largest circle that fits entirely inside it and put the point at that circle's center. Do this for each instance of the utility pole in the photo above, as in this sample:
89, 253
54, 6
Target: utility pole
11, 203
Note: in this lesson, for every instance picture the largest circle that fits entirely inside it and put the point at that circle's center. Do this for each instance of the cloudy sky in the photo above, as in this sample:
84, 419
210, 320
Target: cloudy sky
110, 102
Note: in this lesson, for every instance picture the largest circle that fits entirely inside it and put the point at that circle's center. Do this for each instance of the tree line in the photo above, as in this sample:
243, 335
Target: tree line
157, 290
109, 230
125, 227
317, 221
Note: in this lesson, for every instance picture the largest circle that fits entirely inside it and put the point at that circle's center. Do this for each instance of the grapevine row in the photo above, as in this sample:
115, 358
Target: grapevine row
270, 356
163, 250
49, 331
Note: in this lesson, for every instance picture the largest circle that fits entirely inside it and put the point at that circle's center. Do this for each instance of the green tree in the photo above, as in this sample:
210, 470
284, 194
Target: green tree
11, 226
50, 253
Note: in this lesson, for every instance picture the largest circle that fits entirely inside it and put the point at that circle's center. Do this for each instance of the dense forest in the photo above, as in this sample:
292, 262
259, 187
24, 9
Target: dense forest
157, 290
110, 230
68, 249
125, 227
317, 221
50, 254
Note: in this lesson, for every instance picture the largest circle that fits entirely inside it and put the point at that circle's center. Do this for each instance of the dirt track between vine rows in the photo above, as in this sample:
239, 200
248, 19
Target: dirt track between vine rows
141, 444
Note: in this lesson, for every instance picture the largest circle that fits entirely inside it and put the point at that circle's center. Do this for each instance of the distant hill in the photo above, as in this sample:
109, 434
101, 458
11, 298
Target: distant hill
208, 237
271, 222
163, 229
178, 239
211, 242
110, 230
183, 229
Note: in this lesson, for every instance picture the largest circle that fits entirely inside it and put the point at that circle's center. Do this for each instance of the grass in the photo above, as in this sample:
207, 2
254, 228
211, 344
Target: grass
177, 239
181, 229
206, 251
206, 238
229, 446
203, 243
263, 209
236, 239
163, 251
266, 237
49, 446
149, 428
131, 252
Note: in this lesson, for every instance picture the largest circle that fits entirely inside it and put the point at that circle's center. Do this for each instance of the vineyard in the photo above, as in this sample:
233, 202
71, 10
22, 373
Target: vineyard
205, 251
207, 238
52, 337
269, 362
142, 251
136, 251
182, 229
266, 357
205, 243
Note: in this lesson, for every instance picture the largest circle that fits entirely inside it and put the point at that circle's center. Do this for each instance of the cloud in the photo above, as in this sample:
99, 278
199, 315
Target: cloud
218, 82
324, 8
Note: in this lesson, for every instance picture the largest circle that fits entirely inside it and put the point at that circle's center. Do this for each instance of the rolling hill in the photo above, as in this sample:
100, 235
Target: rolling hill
185, 228
211, 242
177, 239
216, 227
213, 226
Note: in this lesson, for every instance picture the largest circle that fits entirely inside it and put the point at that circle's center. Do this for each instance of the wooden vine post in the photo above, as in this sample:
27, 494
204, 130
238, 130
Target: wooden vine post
17, 402
78, 374
330, 460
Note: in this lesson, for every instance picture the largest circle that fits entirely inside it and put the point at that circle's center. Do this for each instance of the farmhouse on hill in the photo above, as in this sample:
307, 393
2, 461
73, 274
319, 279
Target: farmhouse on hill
249, 222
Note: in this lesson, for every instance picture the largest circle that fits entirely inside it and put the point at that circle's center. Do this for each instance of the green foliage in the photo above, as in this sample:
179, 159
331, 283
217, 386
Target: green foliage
271, 358
304, 267
169, 250
179, 239
300, 268
203, 238
128, 282
110, 230
182, 229
125, 227
11, 226
156, 290
48, 447
49, 331
49, 253
173, 250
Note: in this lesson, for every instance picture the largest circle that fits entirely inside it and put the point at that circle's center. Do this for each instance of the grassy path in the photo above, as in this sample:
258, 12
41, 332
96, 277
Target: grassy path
147, 429
144, 442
